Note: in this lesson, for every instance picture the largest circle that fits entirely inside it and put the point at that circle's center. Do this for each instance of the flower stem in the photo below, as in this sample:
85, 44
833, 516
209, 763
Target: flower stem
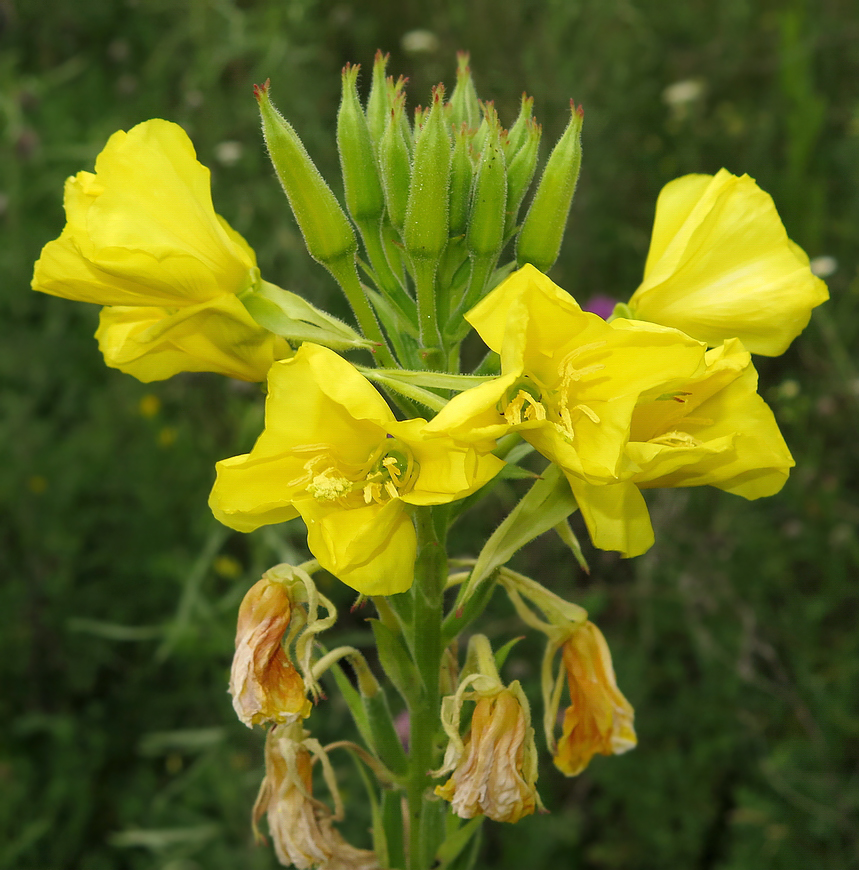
427, 591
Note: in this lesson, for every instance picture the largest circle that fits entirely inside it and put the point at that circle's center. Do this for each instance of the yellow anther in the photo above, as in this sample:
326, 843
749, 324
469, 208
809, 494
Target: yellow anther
676, 439
523, 407
329, 485
588, 412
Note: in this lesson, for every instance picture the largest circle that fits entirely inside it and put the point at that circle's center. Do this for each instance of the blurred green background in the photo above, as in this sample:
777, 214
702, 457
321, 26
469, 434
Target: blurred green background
735, 638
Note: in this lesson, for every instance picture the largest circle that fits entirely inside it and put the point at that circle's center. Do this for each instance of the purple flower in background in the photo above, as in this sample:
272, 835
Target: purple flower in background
601, 305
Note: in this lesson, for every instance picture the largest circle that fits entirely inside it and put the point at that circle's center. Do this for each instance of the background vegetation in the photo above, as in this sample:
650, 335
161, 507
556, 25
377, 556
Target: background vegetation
735, 637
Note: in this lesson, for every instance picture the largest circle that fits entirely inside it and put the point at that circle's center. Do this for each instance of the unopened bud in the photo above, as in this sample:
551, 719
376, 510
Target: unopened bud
427, 217
326, 229
377, 101
540, 239
489, 200
521, 171
465, 107
361, 182
518, 134
461, 174
396, 166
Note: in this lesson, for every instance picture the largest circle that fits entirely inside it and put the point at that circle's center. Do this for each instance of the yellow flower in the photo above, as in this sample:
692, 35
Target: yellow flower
142, 234
714, 430
265, 685
495, 768
333, 452
599, 718
301, 827
569, 381
721, 266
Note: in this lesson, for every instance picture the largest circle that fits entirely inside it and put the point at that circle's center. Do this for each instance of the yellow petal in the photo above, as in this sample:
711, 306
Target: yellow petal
217, 336
721, 266
371, 548
142, 230
616, 516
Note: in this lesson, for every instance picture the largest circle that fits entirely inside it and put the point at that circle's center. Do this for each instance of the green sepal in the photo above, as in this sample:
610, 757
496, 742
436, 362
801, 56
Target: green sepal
501, 654
461, 176
539, 241
433, 380
548, 502
568, 536
289, 315
520, 174
395, 659
428, 399
396, 166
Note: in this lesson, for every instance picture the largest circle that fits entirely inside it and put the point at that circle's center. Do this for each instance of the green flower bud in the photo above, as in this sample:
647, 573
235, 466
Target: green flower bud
485, 233
539, 241
326, 229
364, 197
396, 165
521, 171
461, 174
427, 218
377, 101
519, 131
482, 133
464, 103
425, 231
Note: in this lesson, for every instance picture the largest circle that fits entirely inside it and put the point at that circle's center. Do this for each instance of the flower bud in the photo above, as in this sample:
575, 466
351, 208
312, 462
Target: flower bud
540, 238
518, 133
377, 102
396, 165
326, 229
461, 174
364, 198
465, 107
599, 718
264, 683
427, 217
521, 171
486, 221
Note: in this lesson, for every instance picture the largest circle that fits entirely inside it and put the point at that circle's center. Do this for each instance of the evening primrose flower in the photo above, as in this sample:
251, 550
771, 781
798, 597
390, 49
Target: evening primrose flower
494, 768
715, 429
142, 237
721, 266
301, 827
569, 381
599, 718
264, 683
333, 453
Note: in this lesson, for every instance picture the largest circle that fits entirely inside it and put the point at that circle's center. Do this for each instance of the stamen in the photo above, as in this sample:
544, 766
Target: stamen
676, 439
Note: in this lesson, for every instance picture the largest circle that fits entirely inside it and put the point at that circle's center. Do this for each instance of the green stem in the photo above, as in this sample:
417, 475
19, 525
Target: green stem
427, 593
345, 273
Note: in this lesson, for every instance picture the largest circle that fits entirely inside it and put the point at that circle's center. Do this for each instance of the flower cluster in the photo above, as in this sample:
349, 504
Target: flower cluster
661, 393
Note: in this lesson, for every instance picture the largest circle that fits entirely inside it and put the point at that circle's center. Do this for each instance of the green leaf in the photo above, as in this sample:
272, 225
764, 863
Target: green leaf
548, 503
354, 702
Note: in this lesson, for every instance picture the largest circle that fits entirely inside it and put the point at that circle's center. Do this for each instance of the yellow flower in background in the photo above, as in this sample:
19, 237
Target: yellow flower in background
333, 453
264, 683
599, 718
721, 266
714, 430
569, 381
142, 234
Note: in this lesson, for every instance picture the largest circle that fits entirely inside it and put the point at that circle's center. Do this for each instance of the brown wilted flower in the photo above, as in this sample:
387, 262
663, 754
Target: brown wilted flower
265, 685
599, 718
302, 827
495, 769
